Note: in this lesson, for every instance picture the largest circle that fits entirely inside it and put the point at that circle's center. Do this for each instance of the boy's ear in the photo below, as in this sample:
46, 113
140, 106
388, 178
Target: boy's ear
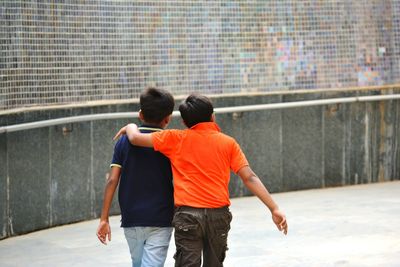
167, 119
141, 117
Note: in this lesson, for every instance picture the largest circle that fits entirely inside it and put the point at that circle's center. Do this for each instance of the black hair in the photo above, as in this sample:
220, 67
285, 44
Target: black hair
156, 104
196, 108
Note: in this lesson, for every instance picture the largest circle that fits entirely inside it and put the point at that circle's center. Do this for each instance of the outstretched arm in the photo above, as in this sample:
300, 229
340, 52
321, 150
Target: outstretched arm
135, 136
103, 230
254, 184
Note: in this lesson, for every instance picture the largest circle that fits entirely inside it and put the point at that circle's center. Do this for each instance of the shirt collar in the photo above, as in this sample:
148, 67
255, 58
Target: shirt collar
147, 127
206, 126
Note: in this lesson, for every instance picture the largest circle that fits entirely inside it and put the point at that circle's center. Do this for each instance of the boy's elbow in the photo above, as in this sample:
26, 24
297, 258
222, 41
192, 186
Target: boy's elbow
247, 174
113, 178
250, 179
111, 184
131, 133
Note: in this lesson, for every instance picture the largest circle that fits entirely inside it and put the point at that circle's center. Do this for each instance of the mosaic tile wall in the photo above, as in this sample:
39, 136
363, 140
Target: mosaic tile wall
56, 52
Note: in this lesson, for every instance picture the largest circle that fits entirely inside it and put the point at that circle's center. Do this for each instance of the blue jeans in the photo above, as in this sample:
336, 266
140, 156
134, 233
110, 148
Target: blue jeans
148, 245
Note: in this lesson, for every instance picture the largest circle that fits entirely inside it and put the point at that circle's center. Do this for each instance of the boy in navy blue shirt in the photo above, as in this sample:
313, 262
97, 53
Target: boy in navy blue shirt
145, 187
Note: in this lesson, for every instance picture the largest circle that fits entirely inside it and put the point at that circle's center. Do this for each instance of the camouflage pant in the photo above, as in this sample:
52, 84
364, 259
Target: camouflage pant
200, 230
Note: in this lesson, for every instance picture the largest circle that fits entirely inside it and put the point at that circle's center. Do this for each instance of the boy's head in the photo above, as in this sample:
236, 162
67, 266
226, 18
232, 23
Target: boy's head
156, 105
196, 108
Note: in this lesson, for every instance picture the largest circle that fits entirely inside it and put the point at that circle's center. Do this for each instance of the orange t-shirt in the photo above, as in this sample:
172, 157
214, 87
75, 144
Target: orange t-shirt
201, 159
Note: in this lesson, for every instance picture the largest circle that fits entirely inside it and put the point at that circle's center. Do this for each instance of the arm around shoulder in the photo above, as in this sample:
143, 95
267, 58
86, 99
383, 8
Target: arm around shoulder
135, 136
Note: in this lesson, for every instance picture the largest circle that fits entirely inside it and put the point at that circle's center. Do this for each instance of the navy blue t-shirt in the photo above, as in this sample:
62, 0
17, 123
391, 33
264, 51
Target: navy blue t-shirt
145, 189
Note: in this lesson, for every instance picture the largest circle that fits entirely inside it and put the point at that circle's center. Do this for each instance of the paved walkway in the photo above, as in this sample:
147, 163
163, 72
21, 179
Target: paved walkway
348, 226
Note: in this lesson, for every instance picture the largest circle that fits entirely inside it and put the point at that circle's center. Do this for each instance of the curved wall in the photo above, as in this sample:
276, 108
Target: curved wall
56, 175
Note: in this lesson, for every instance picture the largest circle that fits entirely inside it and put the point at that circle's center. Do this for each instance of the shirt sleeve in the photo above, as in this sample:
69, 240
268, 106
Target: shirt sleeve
166, 141
117, 156
238, 159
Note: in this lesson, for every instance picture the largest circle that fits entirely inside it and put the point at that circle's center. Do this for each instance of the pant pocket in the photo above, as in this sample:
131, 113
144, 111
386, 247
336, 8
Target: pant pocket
186, 226
186, 231
188, 239
219, 233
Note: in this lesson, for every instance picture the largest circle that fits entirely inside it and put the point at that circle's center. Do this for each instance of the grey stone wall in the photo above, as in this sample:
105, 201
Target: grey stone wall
56, 175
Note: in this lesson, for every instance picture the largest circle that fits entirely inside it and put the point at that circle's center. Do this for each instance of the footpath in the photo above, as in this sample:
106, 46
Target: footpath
352, 226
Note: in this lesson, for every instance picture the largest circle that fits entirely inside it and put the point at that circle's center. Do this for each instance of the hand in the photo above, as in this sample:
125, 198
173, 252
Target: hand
103, 231
279, 219
121, 131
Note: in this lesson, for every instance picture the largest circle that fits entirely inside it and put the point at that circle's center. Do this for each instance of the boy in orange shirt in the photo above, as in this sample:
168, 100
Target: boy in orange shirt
201, 158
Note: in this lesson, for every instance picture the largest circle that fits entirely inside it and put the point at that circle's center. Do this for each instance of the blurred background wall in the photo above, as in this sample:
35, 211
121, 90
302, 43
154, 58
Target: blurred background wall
61, 52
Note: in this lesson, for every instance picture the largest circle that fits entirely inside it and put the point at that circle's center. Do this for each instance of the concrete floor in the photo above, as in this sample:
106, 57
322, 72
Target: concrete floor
347, 226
